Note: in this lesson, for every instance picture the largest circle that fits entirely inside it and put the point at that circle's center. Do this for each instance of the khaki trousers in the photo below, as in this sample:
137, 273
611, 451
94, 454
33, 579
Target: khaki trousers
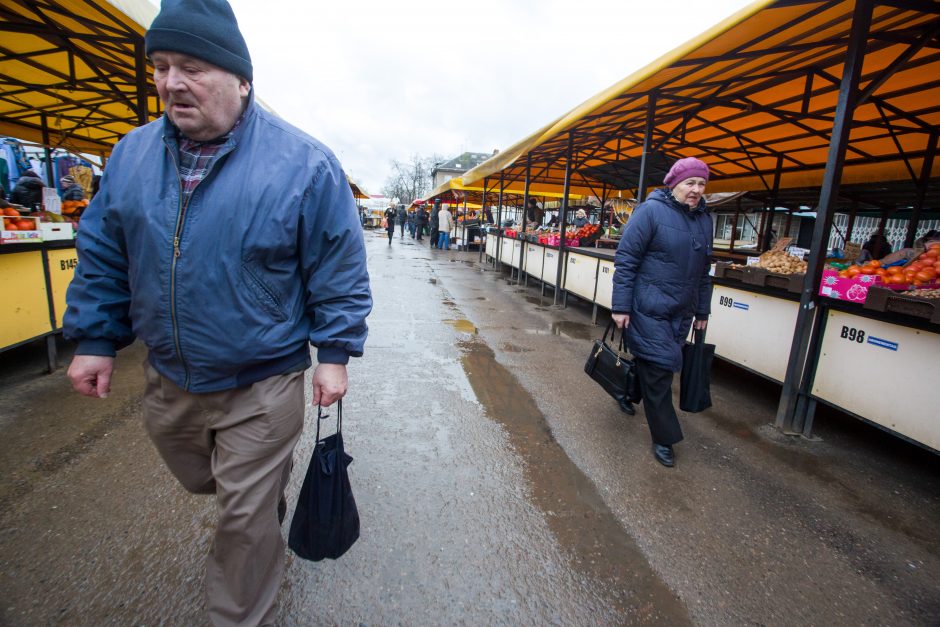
237, 444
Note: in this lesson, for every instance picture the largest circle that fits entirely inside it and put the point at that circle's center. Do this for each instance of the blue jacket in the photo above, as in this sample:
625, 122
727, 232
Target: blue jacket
270, 257
661, 276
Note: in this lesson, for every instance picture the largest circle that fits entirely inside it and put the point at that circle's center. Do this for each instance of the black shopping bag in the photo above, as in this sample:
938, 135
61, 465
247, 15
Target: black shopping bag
612, 369
326, 521
695, 380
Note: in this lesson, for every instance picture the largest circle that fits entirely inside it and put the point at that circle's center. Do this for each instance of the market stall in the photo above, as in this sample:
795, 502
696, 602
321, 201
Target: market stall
826, 99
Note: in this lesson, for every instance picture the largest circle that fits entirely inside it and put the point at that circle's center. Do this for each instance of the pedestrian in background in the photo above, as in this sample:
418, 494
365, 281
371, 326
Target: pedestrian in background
662, 282
70, 189
422, 222
28, 191
435, 223
402, 219
445, 222
390, 215
228, 312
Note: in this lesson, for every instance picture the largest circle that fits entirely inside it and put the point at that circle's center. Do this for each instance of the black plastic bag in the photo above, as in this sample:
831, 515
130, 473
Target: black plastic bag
326, 520
695, 380
612, 369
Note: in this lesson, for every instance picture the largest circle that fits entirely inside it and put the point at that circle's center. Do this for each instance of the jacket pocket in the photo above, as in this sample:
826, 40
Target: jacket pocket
265, 296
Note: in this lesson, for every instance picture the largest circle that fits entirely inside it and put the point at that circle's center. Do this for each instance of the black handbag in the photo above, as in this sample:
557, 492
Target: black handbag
695, 380
612, 369
326, 520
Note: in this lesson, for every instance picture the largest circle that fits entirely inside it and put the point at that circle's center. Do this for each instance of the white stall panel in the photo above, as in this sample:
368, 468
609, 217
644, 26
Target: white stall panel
491, 246
752, 330
518, 249
533, 260
581, 275
550, 269
882, 372
605, 284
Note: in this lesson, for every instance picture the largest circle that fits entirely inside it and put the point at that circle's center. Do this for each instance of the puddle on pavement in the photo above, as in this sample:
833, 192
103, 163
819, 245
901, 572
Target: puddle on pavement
566, 328
535, 300
599, 547
463, 326
512, 348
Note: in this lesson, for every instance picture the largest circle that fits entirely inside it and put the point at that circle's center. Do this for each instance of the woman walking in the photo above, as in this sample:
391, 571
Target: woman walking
662, 282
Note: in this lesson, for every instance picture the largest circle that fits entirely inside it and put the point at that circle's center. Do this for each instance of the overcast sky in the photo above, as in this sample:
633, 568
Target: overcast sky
379, 80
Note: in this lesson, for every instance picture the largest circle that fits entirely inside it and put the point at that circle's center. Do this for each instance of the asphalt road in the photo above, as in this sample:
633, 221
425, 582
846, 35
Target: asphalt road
496, 485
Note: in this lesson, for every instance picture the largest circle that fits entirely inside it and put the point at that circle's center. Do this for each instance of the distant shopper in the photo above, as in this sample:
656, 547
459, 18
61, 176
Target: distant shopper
70, 189
435, 224
402, 219
390, 214
445, 222
422, 222
661, 283
27, 191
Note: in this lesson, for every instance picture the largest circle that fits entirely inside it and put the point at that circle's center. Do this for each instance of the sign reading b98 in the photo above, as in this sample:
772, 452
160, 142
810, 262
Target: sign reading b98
852, 334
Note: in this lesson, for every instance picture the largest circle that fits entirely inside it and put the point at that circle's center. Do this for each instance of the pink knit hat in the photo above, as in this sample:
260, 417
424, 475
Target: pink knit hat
684, 169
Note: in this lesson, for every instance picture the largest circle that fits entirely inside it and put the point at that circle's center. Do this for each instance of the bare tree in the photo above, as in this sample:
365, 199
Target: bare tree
410, 179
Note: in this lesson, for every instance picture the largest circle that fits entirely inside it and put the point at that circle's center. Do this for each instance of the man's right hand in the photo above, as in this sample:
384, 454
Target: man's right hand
621, 320
91, 375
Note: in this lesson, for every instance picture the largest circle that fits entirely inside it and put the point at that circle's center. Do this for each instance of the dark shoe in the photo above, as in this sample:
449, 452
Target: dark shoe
281, 510
664, 455
627, 407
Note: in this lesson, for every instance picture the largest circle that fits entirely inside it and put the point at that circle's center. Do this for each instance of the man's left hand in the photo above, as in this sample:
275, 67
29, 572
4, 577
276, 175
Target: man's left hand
700, 324
329, 384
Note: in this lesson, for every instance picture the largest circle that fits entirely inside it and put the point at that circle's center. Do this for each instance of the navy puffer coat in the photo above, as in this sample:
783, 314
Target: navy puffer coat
661, 276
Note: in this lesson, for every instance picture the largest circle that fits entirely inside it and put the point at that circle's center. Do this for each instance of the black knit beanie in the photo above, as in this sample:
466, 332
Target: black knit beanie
204, 29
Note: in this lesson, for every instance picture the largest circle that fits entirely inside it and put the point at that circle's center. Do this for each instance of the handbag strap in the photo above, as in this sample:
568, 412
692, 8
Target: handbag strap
698, 336
322, 416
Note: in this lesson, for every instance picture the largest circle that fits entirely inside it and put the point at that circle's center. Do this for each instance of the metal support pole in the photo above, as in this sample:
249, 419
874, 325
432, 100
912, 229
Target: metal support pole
44, 121
563, 219
921, 188
807, 317
482, 221
647, 141
734, 227
140, 75
499, 225
775, 192
525, 215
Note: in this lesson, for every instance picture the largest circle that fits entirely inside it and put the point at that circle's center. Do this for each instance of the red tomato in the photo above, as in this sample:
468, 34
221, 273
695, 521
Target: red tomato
868, 270
25, 225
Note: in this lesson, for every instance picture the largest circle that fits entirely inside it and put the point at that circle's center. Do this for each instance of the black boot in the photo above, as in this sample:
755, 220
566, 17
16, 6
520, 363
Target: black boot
627, 407
664, 454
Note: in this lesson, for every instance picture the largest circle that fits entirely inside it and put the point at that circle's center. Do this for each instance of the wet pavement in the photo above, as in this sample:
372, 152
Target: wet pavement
496, 485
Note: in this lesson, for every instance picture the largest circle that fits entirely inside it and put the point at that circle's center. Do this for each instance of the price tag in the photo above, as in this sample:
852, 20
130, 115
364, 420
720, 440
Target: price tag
753, 261
796, 251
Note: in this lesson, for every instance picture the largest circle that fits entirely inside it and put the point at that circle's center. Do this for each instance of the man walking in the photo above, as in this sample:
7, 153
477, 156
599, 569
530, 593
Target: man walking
422, 222
228, 266
435, 230
402, 219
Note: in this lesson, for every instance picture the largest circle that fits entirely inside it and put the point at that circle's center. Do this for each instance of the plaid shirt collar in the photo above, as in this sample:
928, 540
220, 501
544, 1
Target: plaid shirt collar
196, 158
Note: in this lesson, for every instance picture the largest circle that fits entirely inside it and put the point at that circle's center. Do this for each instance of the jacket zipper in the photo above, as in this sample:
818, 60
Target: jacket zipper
177, 236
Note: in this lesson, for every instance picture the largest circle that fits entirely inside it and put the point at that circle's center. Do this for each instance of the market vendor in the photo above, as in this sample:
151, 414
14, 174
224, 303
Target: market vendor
876, 247
70, 189
580, 218
28, 191
534, 214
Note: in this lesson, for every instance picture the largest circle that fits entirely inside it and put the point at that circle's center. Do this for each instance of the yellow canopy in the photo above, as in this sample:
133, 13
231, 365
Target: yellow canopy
454, 191
76, 68
754, 95
357, 190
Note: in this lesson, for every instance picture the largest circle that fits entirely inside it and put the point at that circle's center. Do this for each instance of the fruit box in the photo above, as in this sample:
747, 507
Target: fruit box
52, 231
880, 299
853, 290
22, 236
